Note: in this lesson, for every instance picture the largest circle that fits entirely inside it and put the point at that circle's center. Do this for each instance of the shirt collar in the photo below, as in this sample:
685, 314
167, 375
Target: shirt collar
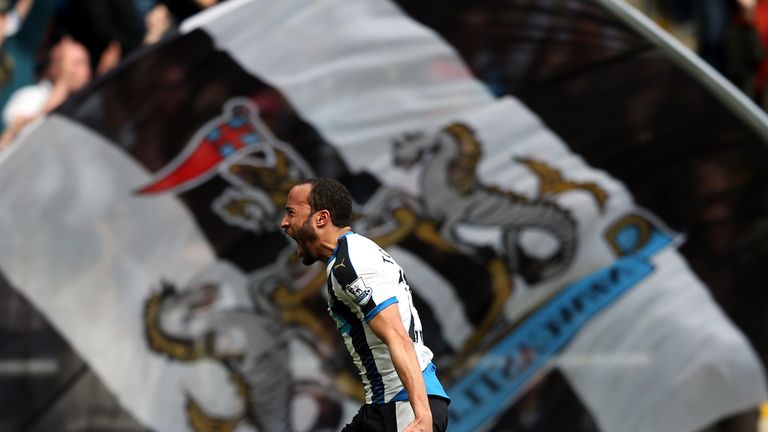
333, 255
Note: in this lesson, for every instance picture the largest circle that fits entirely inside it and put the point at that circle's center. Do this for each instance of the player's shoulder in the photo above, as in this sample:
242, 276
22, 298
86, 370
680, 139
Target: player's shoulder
359, 241
358, 249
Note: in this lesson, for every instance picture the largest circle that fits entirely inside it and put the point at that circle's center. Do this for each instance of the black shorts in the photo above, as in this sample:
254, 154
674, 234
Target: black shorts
395, 416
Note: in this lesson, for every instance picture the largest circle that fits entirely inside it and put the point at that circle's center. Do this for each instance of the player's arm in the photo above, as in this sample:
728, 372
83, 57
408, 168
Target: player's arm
22, 8
389, 328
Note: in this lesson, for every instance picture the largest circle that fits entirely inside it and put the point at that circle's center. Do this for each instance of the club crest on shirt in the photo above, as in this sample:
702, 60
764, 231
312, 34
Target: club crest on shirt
359, 291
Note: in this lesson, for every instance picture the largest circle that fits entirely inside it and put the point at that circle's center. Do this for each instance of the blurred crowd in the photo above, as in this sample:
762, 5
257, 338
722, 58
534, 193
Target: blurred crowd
730, 35
50, 49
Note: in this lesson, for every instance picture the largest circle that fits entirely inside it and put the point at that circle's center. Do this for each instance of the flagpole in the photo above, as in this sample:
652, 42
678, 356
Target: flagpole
682, 56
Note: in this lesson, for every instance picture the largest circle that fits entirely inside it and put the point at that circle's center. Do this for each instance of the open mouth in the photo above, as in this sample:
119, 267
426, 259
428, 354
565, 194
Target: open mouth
299, 247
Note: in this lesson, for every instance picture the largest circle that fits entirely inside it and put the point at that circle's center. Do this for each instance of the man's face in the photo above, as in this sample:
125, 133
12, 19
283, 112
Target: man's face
70, 65
297, 223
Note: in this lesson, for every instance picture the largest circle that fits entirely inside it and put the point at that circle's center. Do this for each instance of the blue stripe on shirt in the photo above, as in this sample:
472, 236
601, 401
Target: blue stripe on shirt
379, 307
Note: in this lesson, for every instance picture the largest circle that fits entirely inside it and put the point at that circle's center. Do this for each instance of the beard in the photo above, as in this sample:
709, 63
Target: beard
304, 237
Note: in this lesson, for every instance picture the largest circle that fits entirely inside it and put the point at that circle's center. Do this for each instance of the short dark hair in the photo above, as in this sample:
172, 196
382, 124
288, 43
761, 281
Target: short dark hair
332, 195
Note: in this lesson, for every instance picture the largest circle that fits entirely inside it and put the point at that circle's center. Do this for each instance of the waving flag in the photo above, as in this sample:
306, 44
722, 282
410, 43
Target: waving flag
463, 135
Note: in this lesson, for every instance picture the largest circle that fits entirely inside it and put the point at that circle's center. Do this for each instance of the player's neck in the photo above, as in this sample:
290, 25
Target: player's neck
330, 239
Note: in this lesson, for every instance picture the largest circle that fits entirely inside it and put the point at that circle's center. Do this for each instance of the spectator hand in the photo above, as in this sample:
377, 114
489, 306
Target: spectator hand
109, 58
12, 131
206, 3
157, 21
748, 9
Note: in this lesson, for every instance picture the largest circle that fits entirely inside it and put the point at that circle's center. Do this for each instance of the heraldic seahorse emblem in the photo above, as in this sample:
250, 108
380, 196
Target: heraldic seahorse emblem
453, 195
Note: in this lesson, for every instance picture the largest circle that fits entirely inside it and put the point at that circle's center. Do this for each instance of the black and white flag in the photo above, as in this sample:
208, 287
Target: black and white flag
142, 216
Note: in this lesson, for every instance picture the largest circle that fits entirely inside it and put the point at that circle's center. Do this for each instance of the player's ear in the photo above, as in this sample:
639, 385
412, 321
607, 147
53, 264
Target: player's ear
322, 218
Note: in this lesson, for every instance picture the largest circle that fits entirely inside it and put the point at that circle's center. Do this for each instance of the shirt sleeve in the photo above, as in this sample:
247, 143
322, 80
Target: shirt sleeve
26, 101
366, 284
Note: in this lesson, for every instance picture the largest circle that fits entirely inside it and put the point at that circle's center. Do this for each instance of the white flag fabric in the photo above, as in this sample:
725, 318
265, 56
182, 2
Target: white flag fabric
149, 237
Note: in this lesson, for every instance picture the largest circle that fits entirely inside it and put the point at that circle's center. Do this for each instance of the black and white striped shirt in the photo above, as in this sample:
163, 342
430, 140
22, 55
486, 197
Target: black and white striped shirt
363, 279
